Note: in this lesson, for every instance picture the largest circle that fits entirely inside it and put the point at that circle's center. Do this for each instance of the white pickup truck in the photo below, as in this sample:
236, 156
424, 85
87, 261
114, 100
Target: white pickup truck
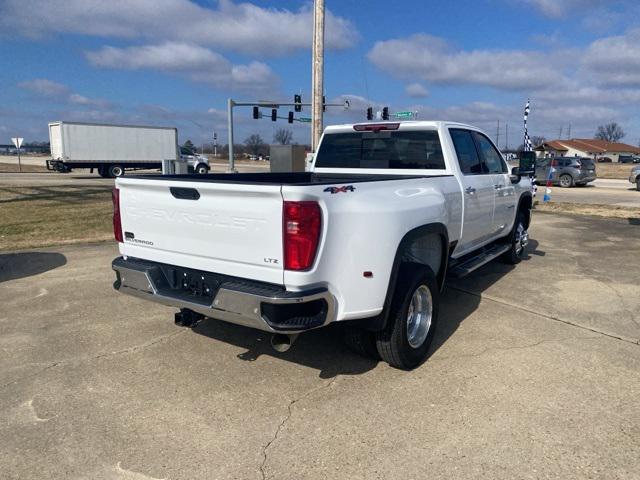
367, 238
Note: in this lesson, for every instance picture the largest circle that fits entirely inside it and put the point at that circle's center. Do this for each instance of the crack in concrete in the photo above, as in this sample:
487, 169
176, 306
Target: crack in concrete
633, 341
263, 465
84, 358
518, 347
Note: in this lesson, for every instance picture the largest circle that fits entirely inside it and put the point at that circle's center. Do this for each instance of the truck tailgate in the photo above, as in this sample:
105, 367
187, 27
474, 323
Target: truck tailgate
233, 229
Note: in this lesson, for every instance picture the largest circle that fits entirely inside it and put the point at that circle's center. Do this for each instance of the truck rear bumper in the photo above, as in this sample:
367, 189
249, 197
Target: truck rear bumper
258, 305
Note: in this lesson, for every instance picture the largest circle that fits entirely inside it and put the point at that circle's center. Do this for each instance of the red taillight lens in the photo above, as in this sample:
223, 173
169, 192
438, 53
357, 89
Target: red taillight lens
117, 224
301, 231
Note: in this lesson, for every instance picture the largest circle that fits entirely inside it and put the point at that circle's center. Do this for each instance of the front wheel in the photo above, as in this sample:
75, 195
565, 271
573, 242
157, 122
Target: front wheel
638, 184
413, 315
518, 240
201, 169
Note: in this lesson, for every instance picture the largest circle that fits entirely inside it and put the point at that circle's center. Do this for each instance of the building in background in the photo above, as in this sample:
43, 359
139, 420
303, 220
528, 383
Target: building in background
585, 147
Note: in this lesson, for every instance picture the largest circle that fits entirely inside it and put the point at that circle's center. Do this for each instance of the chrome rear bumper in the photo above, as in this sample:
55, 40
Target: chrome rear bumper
252, 304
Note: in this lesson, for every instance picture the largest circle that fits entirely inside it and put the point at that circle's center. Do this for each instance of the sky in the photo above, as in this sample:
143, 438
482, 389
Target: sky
176, 62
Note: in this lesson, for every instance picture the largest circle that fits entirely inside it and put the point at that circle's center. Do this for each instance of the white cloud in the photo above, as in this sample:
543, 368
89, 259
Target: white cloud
416, 90
562, 8
615, 60
241, 27
44, 87
60, 93
423, 57
192, 61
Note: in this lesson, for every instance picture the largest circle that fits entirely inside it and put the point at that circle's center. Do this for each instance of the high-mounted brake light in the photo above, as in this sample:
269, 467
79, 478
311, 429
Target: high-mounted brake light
301, 223
117, 224
375, 127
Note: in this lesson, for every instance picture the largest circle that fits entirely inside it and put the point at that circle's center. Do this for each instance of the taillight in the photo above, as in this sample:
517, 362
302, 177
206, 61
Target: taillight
375, 127
117, 224
301, 230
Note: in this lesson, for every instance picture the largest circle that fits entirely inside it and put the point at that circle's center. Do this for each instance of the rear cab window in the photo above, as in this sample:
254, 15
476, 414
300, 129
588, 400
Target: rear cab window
385, 149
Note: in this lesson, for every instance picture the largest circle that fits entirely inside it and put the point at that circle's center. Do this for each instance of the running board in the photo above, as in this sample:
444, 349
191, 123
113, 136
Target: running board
476, 261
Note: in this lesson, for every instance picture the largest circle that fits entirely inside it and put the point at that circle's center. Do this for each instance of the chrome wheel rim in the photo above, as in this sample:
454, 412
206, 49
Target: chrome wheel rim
565, 181
522, 239
117, 171
419, 316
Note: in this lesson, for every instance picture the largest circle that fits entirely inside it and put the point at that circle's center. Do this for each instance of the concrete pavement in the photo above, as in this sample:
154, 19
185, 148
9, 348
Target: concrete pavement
535, 373
84, 178
595, 195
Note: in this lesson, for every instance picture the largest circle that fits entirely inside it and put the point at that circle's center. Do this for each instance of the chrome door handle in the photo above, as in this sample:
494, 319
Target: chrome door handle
470, 190
498, 187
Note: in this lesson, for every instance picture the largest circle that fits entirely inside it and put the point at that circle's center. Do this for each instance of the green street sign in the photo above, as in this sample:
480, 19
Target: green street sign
403, 114
305, 119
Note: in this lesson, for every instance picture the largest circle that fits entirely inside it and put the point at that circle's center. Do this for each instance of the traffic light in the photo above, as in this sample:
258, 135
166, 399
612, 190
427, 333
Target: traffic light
370, 113
297, 99
274, 114
324, 107
256, 113
385, 113
290, 117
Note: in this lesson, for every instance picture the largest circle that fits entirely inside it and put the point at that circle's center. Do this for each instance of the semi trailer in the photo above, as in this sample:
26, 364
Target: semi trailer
113, 149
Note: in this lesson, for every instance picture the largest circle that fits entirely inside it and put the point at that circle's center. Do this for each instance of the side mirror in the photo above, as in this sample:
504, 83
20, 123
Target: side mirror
515, 176
527, 163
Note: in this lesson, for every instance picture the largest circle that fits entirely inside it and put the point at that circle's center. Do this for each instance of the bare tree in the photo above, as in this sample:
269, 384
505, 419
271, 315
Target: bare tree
283, 136
611, 132
254, 143
536, 141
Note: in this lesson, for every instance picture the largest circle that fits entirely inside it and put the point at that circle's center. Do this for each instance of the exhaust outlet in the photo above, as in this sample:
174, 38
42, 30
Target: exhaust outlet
282, 342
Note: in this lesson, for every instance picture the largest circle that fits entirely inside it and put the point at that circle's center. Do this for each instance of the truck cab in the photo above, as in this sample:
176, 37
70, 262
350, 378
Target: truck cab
196, 162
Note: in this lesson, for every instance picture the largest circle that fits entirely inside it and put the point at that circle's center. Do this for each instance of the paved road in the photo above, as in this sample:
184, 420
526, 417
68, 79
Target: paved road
612, 183
604, 192
535, 373
617, 194
83, 177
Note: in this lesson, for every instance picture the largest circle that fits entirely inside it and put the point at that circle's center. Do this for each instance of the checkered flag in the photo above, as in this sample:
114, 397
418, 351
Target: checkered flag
527, 141
527, 144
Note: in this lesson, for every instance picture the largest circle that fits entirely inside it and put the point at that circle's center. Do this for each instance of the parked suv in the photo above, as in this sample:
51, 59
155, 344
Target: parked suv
569, 171
628, 159
634, 177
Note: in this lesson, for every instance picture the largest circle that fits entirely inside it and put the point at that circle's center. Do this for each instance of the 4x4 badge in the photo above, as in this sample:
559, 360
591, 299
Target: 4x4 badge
343, 189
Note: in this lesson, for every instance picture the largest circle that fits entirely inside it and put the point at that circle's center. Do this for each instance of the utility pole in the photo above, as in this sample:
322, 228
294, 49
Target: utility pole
498, 134
506, 134
569, 133
560, 134
317, 77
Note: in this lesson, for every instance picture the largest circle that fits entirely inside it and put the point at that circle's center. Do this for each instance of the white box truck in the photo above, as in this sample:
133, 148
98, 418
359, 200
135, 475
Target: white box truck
112, 149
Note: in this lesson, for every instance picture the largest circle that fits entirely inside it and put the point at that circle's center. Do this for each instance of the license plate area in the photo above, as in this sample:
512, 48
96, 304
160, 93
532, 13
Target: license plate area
187, 284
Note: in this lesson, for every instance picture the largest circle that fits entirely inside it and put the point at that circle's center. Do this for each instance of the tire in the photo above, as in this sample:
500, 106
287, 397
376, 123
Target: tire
102, 171
115, 171
201, 169
638, 184
361, 342
565, 180
416, 286
515, 240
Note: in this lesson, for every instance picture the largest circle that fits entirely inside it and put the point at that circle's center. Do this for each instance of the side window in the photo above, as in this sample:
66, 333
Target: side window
491, 157
466, 151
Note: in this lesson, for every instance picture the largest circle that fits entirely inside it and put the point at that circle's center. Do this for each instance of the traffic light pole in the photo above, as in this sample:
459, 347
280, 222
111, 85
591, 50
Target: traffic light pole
232, 103
232, 163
